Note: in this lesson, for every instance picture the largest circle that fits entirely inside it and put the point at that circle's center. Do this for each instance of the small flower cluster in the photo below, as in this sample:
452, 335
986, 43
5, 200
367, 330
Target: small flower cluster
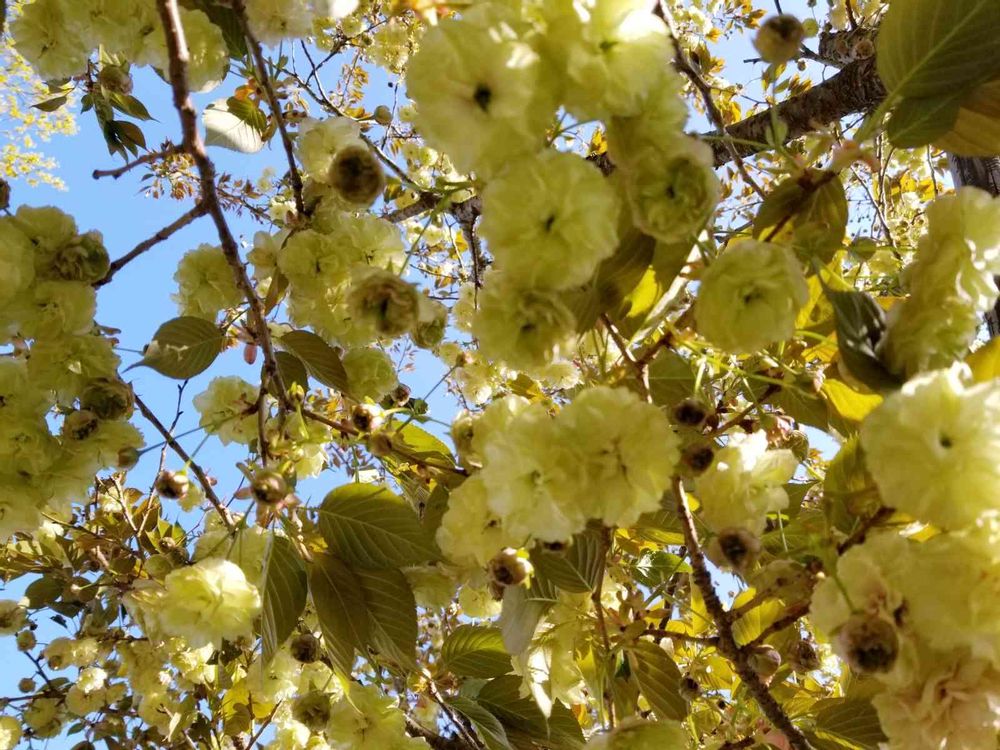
60, 360
606, 456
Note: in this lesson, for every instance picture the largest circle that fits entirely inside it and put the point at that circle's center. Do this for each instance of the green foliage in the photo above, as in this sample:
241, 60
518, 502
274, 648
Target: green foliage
183, 347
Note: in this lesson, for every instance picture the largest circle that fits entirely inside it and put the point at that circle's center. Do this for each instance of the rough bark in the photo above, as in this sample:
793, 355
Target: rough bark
856, 88
984, 173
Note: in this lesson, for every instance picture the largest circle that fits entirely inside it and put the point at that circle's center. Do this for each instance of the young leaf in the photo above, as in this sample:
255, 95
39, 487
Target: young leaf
292, 370
475, 651
340, 608
51, 105
283, 596
860, 324
227, 130
487, 726
659, 679
183, 347
321, 360
370, 527
577, 568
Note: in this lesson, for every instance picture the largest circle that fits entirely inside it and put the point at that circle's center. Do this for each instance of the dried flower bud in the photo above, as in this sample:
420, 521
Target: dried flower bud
380, 444
312, 709
400, 395
269, 487
735, 548
80, 424
803, 657
691, 412
108, 398
697, 457
780, 38
115, 78
84, 259
27, 685
26, 640
869, 644
366, 417
764, 660
171, 485
507, 569
305, 648
356, 175
383, 115
127, 458
689, 688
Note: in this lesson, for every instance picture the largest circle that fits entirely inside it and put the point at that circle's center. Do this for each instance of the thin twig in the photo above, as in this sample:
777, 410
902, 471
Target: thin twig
601, 624
149, 158
203, 480
264, 78
795, 613
727, 643
164, 234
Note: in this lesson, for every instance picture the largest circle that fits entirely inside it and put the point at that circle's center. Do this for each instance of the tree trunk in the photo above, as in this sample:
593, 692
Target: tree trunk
984, 173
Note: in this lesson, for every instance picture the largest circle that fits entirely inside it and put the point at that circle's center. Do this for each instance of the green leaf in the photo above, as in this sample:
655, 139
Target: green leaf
985, 361
860, 325
929, 47
226, 130
502, 698
283, 596
370, 527
475, 651
671, 378
129, 105
321, 360
340, 608
129, 132
657, 568
614, 279
393, 614
487, 726
51, 105
849, 722
248, 112
659, 680
918, 122
292, 370
976, 132
575, 569
808, 212
520, 613
564, 729
183, 347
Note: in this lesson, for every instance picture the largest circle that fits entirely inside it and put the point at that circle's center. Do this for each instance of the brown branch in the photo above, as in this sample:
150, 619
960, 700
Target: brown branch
727, 643
239, 8
856, 88
149, 158
861, 533
195, 147
436, 741
202, 477
182, 221
795, 613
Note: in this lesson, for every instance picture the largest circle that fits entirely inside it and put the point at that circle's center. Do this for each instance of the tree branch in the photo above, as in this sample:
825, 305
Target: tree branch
195, 147
723, 621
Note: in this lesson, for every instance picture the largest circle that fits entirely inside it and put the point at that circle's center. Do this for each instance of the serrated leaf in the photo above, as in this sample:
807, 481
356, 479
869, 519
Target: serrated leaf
928, 47
129, 105
292, 370
520, 613
808, 212
564, 729
575, 569
283, 596
502, 698
475, 651
671, 378
51, 105
370, 527
339, 602
659, 680
183, 347
659, 567
487, 726
918, 122
129, 132
854, 723
226, 130
393, 614
320, 359
860, 324
248, 111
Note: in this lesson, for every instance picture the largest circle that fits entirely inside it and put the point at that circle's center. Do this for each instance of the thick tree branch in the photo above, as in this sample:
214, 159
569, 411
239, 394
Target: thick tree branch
723, 621
856, 88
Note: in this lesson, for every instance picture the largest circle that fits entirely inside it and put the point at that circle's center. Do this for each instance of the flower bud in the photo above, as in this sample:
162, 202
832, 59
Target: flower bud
171, 485
802, 657
764, 660
507, 569
366, 417
84, 259
380, 444
869, 644
127, 458
383, 115
80, 424
383, 299
400, 395
690, 412
108, 398
115, 78
780, 38
26, 640
312, 709
735, 548
697, 457
689, 688
356, 175
27, 685
305, 648
269, 487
